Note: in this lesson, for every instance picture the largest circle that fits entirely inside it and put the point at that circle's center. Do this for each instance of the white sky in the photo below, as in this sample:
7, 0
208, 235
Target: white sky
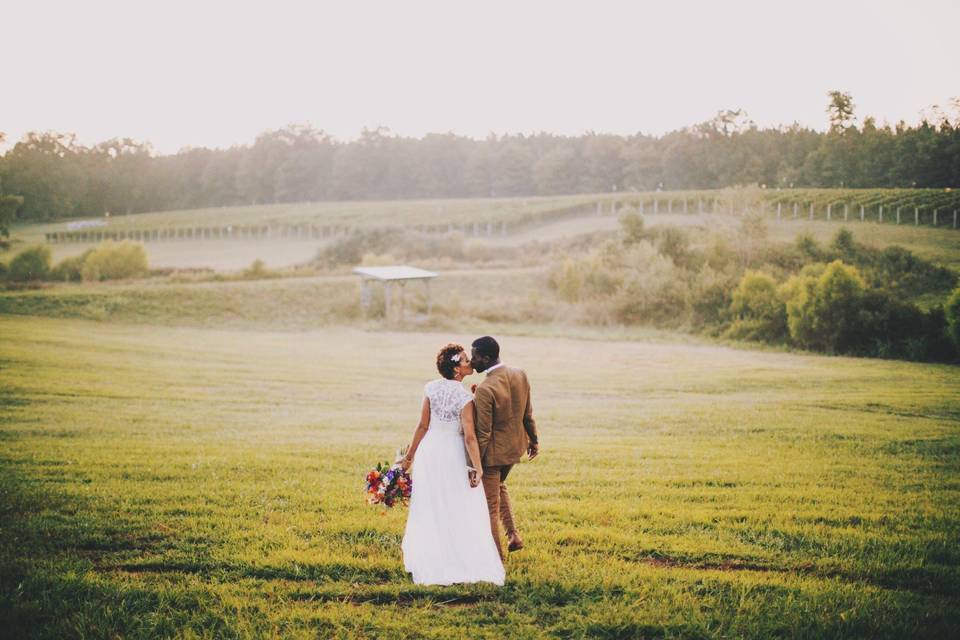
214, 74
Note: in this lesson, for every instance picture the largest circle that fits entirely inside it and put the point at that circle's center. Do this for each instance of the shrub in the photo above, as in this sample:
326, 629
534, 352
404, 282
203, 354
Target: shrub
404, 245
823, 312
567, 279
844, 245
711, 292
760, 311
675, 244
720, 255
349, 250
112, 261
653, 289
257, 271
631, 226
952, 313
807, 245
70, 269
3, 270
898, 270
33, 263
754, 227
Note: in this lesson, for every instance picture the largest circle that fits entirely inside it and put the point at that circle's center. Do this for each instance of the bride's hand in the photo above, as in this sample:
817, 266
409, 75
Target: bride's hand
474, 478
405, 464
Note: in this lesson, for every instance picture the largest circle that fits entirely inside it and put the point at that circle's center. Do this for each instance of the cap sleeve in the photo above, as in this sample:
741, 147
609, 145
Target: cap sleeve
464, 398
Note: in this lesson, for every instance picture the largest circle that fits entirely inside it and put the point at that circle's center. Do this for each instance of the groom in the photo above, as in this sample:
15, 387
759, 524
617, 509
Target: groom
505, 431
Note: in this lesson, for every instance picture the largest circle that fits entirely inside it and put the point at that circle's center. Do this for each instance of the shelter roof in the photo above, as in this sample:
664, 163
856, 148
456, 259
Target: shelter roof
401, 272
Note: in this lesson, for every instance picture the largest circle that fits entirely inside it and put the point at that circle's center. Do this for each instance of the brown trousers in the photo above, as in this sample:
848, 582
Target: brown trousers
498, 502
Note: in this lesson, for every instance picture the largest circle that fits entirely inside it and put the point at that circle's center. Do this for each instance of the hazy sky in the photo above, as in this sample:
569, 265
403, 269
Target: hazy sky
218, 73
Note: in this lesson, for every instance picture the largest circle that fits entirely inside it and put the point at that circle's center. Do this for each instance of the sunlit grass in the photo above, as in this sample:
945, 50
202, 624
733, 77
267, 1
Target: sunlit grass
196, 481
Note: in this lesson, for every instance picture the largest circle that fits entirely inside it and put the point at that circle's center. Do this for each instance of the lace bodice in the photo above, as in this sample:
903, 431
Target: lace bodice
447, 399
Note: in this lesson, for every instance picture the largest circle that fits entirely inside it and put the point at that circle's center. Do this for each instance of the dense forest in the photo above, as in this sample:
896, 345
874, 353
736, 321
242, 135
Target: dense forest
47, 176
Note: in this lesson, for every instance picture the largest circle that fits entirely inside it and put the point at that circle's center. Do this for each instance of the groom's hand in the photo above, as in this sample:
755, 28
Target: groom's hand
474, 478
533, 450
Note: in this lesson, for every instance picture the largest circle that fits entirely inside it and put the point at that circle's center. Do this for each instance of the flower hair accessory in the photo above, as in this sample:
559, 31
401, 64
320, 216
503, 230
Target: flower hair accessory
455, 357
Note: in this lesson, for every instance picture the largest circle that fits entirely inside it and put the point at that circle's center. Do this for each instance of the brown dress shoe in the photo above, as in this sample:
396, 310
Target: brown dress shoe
515, 544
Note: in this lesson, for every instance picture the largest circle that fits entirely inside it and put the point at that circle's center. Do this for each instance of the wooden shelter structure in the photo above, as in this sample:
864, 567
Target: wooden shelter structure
389, 276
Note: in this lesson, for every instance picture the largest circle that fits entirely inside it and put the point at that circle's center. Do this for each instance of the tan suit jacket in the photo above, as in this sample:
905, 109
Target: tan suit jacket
505, 424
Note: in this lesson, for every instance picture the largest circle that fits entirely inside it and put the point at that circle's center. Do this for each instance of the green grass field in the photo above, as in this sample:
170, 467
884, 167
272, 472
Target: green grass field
182, 481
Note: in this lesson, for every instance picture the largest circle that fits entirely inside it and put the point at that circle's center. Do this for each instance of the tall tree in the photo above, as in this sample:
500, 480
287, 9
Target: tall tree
840, 110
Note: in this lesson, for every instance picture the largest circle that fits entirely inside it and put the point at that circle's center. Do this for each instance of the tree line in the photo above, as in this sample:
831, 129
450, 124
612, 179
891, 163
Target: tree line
48, 176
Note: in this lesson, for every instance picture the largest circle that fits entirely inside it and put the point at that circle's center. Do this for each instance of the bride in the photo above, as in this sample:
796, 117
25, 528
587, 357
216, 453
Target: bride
448, 538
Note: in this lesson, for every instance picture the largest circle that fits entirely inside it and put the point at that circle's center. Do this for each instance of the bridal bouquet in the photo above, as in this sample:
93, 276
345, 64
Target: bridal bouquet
388, 484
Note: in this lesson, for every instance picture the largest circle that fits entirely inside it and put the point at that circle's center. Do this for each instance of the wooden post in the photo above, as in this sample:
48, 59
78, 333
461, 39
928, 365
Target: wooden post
898, 215
829, 212
954, 218
935, 210
699, 205
794, 210
685, 205
386, 300
779, 207
861, 213
670, 205
846, 211
656, 206
811, 211
916, 215
641, 207
364, 295
880, 215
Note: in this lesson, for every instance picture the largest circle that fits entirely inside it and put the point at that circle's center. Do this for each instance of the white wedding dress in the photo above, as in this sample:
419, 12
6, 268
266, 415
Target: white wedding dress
448, 538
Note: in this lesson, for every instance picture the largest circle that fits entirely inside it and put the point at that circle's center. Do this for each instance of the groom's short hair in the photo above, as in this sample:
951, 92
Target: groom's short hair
487, 346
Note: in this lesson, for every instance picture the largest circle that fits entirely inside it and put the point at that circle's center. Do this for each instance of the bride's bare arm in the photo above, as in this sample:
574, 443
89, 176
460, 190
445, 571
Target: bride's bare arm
470, 440
418, 434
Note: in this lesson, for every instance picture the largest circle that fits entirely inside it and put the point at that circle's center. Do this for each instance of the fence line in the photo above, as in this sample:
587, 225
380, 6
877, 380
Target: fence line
655, 205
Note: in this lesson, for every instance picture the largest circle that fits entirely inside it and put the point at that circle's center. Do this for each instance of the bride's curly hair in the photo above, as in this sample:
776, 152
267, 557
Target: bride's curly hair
446, 365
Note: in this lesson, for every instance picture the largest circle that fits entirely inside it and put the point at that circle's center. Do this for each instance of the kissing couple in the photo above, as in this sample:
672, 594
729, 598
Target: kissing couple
453, 526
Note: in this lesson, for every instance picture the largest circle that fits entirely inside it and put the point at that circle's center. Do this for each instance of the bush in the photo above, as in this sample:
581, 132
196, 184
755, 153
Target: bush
113, 261
3, 270
719, 254
823, 312
760, 311
404, 245
843, 244
70, 269
631, 226
675, 244
809, 248
653, 289
952, 313
898, 270
711, 292
567, 279
30, 264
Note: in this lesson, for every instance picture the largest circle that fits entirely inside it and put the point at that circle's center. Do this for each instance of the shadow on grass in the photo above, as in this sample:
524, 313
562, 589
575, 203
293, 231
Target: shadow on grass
932, 579
226, 571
